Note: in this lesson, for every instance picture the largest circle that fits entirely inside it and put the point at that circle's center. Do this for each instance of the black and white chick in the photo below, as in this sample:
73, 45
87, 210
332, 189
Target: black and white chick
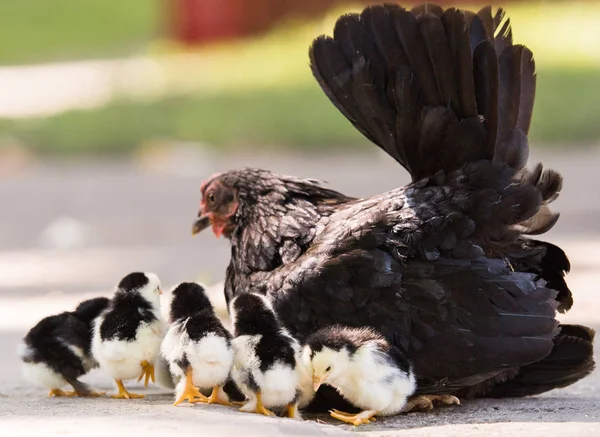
268, 367
364, 368
128, 335
57, 351
197, 346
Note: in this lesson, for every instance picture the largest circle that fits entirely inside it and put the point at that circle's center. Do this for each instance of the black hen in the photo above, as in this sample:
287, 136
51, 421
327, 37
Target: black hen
441, 267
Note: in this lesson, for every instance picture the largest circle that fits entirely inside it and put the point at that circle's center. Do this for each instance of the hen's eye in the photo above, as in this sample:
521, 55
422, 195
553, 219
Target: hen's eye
211, 197
328, 369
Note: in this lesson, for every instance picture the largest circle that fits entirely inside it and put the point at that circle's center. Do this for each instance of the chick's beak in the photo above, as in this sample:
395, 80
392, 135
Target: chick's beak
201, 223
317, 381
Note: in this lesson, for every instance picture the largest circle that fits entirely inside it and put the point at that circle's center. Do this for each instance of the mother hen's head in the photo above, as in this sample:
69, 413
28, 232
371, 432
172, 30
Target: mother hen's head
241, 197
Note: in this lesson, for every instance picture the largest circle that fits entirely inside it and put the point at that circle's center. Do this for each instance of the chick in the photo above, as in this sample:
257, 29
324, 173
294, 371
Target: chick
127, 336
197, 346
57, 351
364, 368
267, 359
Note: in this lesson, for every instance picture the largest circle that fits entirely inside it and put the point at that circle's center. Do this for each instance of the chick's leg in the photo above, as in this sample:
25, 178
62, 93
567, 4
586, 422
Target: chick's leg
218, 396
362, 418
147, 371
191, 393
84, 390
260, 408
123, 393
256, 406
425, 402
60, 393
292, 411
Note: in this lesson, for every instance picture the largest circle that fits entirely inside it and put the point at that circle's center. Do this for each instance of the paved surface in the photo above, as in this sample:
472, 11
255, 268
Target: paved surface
69, 231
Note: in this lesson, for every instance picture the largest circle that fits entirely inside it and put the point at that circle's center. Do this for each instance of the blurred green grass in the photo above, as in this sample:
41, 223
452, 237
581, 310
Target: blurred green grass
260, 93
296, 117
50, 30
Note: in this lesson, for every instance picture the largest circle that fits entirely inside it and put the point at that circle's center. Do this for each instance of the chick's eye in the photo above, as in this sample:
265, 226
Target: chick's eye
211, 197
328, 369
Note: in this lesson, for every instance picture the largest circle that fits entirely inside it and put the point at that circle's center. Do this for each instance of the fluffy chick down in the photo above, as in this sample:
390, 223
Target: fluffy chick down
268, 367
364, 367
128, 335
57, 350
197, 346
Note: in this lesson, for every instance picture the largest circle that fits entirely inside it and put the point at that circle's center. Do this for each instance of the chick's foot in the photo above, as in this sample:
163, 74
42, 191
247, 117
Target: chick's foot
60, 393
123, 393
191, 393
292, 412
217, 398
147, 372
362, 418
256, 406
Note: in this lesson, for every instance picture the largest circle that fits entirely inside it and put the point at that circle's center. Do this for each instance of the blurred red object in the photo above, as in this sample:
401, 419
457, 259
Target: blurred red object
195, 21
203, 21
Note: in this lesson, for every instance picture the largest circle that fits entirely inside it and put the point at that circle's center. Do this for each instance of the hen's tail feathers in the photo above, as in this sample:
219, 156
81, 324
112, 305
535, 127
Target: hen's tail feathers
437, 90
548, 262
571, 359
433, 88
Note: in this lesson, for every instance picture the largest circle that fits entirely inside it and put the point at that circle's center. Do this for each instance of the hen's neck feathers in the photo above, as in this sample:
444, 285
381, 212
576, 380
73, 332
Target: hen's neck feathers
276, 223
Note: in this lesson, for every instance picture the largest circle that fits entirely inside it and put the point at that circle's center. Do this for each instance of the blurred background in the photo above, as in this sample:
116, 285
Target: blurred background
112, 112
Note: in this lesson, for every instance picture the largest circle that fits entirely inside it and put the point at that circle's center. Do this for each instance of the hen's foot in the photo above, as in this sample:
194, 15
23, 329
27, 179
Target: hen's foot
426, 402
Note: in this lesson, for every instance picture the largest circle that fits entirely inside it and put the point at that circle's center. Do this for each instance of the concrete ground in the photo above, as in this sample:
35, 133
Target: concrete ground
71, 230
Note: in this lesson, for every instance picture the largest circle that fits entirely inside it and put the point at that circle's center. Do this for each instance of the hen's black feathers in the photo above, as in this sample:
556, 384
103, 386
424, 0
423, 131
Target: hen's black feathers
442, 267
439, 90
571, 359
385, 68
458, 40
485, 76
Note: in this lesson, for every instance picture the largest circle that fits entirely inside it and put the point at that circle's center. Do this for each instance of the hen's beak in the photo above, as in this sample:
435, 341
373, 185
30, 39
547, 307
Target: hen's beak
317, 381
200, 224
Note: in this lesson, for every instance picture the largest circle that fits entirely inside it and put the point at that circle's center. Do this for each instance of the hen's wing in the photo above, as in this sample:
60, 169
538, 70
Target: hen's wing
418, 264
461, 321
